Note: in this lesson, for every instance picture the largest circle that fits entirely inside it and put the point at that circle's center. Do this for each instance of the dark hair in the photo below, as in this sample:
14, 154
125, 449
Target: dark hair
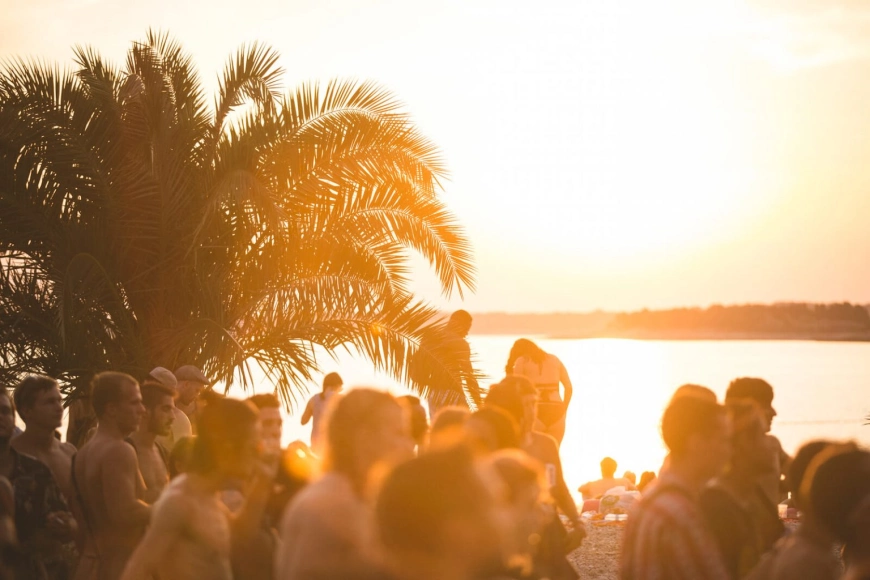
448, 417
646, 478
153, 392
422, 495
265, 401
222, 421
608, 467
524, 348
508, 395
331, 380
685, 417
419, 422
504, 429
799, 465
106, 388
355, 413
758, 390
838, 480
27, 391
460, 319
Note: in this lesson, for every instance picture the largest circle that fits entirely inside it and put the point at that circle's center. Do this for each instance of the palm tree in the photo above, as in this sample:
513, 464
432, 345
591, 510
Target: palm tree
140, 226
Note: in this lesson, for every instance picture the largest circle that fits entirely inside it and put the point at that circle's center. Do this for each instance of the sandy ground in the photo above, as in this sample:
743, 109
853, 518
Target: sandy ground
598, 557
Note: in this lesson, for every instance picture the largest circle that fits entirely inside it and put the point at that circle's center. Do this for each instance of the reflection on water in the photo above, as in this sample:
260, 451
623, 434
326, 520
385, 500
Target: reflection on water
621, 387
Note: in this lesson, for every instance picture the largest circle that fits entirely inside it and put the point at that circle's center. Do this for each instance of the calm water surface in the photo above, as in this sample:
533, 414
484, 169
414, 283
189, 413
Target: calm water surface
621, 387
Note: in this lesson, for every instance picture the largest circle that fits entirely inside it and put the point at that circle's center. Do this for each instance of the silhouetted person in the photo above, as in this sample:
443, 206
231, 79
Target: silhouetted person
316, 408
43, 522
455, 383
39, 404
517, 396
631, 477
191, 531
436, 520
596, 489
546, 372
743, 520
326, 529
666, 535
761, 392
106, 479
809, 552
491, 429
419, 422
646, 478
159, 403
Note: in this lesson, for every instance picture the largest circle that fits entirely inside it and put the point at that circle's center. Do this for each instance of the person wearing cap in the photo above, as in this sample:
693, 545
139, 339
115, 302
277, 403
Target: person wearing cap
191, 382
180, 423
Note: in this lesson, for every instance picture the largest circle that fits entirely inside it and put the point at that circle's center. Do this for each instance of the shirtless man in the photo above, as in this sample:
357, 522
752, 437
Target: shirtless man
190, 533
181, 427
38, 402
107, 481
153, 457
191, 383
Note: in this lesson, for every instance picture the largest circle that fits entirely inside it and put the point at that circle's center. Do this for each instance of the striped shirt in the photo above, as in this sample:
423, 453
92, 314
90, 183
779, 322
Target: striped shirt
666, 537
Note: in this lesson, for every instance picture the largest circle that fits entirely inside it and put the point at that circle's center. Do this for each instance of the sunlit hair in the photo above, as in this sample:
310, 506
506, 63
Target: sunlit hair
419, 422
504, 430
686, 417
153, 392
608, 467
420, 498
508, 395
758, 390
798, 468
28, 390
524, 348
358, 412
224, 423
837, 482
331, 381
265, 401
690, 390
108, 387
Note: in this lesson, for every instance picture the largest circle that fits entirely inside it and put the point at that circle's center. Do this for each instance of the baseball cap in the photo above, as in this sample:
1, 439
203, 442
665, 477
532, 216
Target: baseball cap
163, 376
191, 373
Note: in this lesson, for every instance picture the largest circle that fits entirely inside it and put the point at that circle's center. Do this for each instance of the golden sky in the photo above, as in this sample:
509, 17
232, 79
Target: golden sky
603, 154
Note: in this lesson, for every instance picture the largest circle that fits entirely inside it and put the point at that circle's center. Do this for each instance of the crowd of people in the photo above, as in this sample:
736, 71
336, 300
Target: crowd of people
170, 480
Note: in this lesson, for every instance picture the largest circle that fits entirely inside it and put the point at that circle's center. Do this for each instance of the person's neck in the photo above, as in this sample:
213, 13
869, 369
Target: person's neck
38, 438
144, 438
685, 471
111, 430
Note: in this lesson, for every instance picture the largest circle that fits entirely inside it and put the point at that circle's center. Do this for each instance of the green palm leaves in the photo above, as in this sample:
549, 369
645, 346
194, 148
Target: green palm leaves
140, 226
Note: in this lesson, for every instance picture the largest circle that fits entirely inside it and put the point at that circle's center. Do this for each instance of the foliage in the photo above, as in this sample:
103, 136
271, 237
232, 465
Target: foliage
141, 226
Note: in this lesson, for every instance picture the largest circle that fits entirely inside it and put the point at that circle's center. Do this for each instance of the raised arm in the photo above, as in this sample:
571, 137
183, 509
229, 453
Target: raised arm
121, 478
566, 382
166, 527
309, 412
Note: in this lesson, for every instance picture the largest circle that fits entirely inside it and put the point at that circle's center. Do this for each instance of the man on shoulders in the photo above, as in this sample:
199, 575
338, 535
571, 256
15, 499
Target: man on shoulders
153, 457
42, 519
107, 482
39, 404
666, 535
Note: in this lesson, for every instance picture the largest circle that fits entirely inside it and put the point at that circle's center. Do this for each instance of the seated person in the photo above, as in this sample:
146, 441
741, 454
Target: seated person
596, 489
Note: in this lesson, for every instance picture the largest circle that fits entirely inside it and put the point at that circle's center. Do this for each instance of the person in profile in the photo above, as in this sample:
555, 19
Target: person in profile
436, 519
191, 384
547, 373
39, 404
743, 520
191, 532
761, 392
326, 529
153, 457
43, 522
596, 489
441, 368
809, 552
666, 535
181, 426
317, 405
106, 480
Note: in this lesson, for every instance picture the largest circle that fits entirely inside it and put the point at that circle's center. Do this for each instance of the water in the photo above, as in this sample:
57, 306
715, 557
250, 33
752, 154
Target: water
622, 386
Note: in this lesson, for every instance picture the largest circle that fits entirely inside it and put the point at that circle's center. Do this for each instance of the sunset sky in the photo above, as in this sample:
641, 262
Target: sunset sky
603, 154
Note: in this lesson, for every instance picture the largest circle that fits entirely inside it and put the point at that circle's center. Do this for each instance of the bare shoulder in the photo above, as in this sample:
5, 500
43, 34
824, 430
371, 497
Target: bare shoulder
119, 452
68, 449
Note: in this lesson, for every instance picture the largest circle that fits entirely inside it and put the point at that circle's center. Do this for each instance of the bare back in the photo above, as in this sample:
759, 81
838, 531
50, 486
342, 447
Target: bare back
108, 486
189, 537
